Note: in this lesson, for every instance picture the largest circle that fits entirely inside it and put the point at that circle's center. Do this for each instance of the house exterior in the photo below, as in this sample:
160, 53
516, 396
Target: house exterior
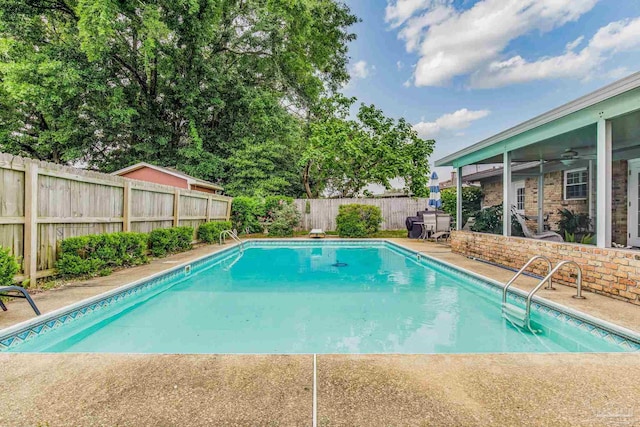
583, 156
167, 176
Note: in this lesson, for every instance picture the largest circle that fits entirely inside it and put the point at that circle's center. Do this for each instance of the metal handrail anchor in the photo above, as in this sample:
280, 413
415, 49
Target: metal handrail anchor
233, 235
531, 260
548, 277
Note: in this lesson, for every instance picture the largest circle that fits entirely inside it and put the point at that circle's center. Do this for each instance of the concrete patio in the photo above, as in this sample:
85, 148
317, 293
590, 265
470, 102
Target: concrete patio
444, 390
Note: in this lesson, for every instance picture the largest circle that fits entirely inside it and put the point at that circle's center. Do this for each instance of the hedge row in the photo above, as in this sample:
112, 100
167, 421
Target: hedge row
100, 253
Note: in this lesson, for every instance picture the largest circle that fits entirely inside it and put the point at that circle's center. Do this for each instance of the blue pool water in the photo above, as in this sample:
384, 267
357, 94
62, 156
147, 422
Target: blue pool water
292, 299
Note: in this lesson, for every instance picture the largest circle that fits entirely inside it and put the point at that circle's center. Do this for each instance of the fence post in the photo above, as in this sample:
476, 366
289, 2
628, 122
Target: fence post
126, 207
30, 221
209, 209
229, 209
176, 208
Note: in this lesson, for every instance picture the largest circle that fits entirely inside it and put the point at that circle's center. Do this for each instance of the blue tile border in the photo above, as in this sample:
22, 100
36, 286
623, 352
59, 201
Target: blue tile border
539, 305
14, 336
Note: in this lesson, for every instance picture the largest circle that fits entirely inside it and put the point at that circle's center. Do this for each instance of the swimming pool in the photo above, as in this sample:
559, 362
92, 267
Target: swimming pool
309, 297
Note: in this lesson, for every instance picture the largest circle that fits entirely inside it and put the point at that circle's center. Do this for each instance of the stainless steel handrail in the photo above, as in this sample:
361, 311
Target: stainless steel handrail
548, 277
233, 235
513, 279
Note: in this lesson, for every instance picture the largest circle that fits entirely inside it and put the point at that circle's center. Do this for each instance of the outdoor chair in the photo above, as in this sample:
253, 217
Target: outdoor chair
546, 235
317, 233
470, 223
429, 224
23, 294
443, 227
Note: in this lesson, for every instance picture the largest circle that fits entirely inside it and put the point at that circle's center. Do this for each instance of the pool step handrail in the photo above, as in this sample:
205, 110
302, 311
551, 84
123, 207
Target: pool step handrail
233, 235
524, 267
523, 317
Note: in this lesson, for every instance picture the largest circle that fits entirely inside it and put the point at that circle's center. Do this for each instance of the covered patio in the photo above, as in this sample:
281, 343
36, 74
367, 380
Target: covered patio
582, 157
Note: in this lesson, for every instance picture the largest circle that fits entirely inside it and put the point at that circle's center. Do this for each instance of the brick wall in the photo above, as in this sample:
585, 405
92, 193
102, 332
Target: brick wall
554, 199
611, 272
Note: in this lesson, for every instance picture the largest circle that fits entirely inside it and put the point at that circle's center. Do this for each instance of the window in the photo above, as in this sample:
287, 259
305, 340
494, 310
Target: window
520, 199
576, 184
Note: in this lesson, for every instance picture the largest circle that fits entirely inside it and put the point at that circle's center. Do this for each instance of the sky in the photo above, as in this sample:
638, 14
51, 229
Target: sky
462, 70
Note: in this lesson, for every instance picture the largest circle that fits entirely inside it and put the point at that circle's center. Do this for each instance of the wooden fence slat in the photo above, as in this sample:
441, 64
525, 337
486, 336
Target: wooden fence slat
42, 203
323, 212
30, 221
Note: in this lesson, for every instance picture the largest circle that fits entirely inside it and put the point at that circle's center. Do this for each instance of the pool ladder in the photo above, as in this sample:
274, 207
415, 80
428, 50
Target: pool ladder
234, 236
522, 317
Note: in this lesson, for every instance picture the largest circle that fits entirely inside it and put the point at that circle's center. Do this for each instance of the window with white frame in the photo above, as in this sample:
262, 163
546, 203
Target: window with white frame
519, 193
576, 184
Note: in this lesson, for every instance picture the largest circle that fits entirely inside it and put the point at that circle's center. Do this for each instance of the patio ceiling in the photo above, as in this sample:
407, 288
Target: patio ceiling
572, 125
625, 140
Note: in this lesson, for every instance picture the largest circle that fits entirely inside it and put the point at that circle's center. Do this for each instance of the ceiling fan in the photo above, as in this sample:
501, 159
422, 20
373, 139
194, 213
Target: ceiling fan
570, 156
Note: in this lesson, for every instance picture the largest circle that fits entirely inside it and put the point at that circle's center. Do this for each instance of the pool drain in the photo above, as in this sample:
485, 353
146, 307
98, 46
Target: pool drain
339, 264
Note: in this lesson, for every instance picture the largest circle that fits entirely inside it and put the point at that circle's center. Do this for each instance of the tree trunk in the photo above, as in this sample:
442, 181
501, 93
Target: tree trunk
305, 180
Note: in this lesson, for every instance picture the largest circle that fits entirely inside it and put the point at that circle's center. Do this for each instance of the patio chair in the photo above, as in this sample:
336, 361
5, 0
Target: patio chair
443, 227
470, 223
545, 235
429, 224
22, 291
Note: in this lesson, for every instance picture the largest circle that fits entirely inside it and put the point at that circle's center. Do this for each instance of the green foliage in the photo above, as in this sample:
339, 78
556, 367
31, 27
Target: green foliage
573, 223
489, 220
343, 155
285, 217
165, 241
246, 213
98, 253
215, 88
255, 214
209, 232
358, 220
8, 267
585, 239
471, 201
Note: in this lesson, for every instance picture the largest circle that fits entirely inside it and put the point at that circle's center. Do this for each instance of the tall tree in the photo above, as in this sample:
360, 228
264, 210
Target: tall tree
344, 155
173, 82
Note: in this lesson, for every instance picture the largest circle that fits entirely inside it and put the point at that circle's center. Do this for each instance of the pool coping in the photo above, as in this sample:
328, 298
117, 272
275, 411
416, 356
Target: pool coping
26, 330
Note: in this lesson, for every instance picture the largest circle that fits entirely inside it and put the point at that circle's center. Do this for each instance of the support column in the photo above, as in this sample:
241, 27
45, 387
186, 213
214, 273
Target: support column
541, 198
603, 196
209, 209
506, 194
30, 222
459, 223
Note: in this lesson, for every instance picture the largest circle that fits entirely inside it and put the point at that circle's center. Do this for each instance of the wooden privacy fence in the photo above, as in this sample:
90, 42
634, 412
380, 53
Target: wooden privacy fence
322, 212
42, 203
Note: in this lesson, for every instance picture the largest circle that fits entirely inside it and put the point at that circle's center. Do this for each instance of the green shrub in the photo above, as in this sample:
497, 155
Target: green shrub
471, 202
8, 267
245, 214
255, 214
209, 232
89, 255
358, 220
572, 222
285, 218
164, 241
489, 220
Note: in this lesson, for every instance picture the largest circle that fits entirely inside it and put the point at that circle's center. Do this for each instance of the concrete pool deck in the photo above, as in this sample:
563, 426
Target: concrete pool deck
469, 389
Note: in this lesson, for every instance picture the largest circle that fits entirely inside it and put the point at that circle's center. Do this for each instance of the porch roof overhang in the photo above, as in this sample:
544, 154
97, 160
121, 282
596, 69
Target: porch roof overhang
614, 100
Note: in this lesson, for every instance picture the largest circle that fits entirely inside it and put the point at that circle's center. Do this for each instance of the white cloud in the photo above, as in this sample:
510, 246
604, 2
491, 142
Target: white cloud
361, 70
615, 37
400, 65
454, 42
450, 122
574, 44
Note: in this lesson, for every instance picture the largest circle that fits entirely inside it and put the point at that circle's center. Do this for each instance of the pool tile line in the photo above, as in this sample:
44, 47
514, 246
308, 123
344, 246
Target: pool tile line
612, 334
28, 330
